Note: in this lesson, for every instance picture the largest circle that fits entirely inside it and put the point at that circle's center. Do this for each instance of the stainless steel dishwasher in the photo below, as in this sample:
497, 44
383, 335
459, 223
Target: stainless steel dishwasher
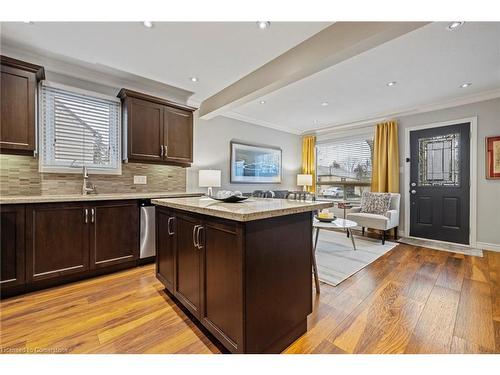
148, 230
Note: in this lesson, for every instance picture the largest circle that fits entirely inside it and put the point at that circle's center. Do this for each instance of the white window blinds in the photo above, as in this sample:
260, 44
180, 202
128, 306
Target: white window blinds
348, 159
79, 128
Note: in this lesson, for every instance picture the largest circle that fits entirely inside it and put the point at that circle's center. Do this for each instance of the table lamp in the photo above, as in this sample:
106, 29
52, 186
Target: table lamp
304, 180
209, 178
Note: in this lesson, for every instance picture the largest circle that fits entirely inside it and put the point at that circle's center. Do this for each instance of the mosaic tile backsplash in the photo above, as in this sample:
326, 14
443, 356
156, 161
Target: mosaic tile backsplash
19, 176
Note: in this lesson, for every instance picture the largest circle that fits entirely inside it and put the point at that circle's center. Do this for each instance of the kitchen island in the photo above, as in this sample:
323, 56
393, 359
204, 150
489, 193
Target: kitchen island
243, 270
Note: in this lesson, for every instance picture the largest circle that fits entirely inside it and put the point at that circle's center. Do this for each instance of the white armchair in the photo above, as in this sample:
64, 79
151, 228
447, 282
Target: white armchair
381, 222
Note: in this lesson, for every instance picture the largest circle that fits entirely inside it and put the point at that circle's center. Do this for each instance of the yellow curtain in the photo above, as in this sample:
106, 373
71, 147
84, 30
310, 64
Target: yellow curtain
308, 159
385, 173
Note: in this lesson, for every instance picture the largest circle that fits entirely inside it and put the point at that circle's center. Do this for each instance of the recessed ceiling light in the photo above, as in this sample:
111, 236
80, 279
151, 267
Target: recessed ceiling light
194, 79
392, 83
262, 102
324, 104
263, 24
148, 24
454, 25
465, 85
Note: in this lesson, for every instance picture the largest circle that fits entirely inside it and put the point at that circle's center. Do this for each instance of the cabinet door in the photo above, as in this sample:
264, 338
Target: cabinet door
12, 245
114, 233
17, 118
187, 286
57, 240
145, 130
166, 246
222, 311
178, 137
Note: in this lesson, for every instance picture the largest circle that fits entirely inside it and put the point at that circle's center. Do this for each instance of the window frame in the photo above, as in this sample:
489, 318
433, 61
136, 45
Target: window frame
42, 124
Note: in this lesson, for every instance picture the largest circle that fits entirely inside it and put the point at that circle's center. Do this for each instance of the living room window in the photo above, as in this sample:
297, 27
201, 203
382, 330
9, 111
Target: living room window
344, 167
79, 128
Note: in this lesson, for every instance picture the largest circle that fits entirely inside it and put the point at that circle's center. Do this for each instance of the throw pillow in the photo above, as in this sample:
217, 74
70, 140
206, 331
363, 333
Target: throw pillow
375, 203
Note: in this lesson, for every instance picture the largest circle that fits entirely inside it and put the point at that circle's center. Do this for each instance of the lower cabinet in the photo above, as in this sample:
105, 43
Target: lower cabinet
200, 263
114, 233
166, 246
12, 248
57, 242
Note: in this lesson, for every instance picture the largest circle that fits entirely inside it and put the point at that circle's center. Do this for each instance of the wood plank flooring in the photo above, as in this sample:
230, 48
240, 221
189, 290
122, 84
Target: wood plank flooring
411, 300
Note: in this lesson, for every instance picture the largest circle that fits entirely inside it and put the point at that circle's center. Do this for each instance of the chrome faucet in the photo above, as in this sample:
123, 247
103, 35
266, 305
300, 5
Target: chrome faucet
87, 187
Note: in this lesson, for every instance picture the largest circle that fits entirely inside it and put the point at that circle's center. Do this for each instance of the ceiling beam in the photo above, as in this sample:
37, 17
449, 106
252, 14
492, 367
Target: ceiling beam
330, 46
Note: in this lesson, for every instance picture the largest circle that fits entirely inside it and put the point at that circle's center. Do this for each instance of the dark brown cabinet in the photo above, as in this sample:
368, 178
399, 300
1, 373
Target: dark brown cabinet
199, 262
158, 131
114, 233
166, 240
18, 83
74, 238
178, 135
12, 246
188, 263
248, 283
57, 240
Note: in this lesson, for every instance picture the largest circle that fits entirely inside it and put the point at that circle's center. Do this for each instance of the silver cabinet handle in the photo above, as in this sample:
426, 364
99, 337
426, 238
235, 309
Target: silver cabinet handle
86, 215
169, 226
165, 148
161, 147
92, 220
195, 228
200, 246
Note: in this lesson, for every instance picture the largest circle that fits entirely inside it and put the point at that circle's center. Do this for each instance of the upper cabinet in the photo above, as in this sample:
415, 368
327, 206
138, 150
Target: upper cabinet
158, 131
18, 105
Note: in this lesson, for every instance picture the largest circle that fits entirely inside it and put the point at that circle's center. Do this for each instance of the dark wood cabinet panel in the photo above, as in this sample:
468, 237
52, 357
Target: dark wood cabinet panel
222, 310
18, 82
12, 245
145, 130
166, 247
178, 135
57, 240
114, 233
158, 131
188, 263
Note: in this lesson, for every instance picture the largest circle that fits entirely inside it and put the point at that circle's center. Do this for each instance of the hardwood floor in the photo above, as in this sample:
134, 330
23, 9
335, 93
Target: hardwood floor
411, 300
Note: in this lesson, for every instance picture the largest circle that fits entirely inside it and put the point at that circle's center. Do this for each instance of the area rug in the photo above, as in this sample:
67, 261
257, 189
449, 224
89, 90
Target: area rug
337, 260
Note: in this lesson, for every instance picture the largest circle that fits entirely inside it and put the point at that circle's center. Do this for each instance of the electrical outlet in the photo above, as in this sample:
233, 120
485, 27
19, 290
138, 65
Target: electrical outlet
140, 180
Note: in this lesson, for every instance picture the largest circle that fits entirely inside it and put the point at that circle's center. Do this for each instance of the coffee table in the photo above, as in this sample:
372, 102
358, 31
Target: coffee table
336, 224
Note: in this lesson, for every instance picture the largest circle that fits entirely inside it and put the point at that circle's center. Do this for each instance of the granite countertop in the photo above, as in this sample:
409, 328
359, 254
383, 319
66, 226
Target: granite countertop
248, 210
24, 199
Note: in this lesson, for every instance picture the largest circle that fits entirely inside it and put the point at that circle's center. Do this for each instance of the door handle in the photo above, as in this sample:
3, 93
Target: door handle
200, 228
195, 228
169, 226
161, 148
86, 215
92, 220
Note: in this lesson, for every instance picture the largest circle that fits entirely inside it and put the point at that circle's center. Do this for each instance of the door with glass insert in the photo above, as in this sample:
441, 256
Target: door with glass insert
439, 183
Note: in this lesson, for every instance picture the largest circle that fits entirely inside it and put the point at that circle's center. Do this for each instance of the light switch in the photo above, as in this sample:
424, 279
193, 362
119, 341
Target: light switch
140, 180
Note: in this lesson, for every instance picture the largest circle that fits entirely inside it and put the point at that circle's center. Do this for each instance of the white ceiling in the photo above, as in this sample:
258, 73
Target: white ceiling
218, 53
428, 64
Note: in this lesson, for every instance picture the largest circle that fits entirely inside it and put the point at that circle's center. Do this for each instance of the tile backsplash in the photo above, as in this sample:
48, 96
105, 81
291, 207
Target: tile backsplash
19, 176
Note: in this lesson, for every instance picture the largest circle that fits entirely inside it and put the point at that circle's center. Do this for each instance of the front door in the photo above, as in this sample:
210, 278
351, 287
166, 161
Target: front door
440, 183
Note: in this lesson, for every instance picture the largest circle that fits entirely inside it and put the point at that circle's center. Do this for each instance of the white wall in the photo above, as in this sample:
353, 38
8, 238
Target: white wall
488, 191
211, 151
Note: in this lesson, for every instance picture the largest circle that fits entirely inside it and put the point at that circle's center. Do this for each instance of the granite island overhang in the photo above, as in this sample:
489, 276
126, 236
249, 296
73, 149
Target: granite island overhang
243, 270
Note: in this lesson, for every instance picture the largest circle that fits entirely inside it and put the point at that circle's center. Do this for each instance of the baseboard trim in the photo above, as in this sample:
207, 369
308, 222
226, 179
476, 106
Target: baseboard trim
489, 246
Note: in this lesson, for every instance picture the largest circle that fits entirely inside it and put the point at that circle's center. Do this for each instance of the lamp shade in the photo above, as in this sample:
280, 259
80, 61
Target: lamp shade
209, 178
304, 179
